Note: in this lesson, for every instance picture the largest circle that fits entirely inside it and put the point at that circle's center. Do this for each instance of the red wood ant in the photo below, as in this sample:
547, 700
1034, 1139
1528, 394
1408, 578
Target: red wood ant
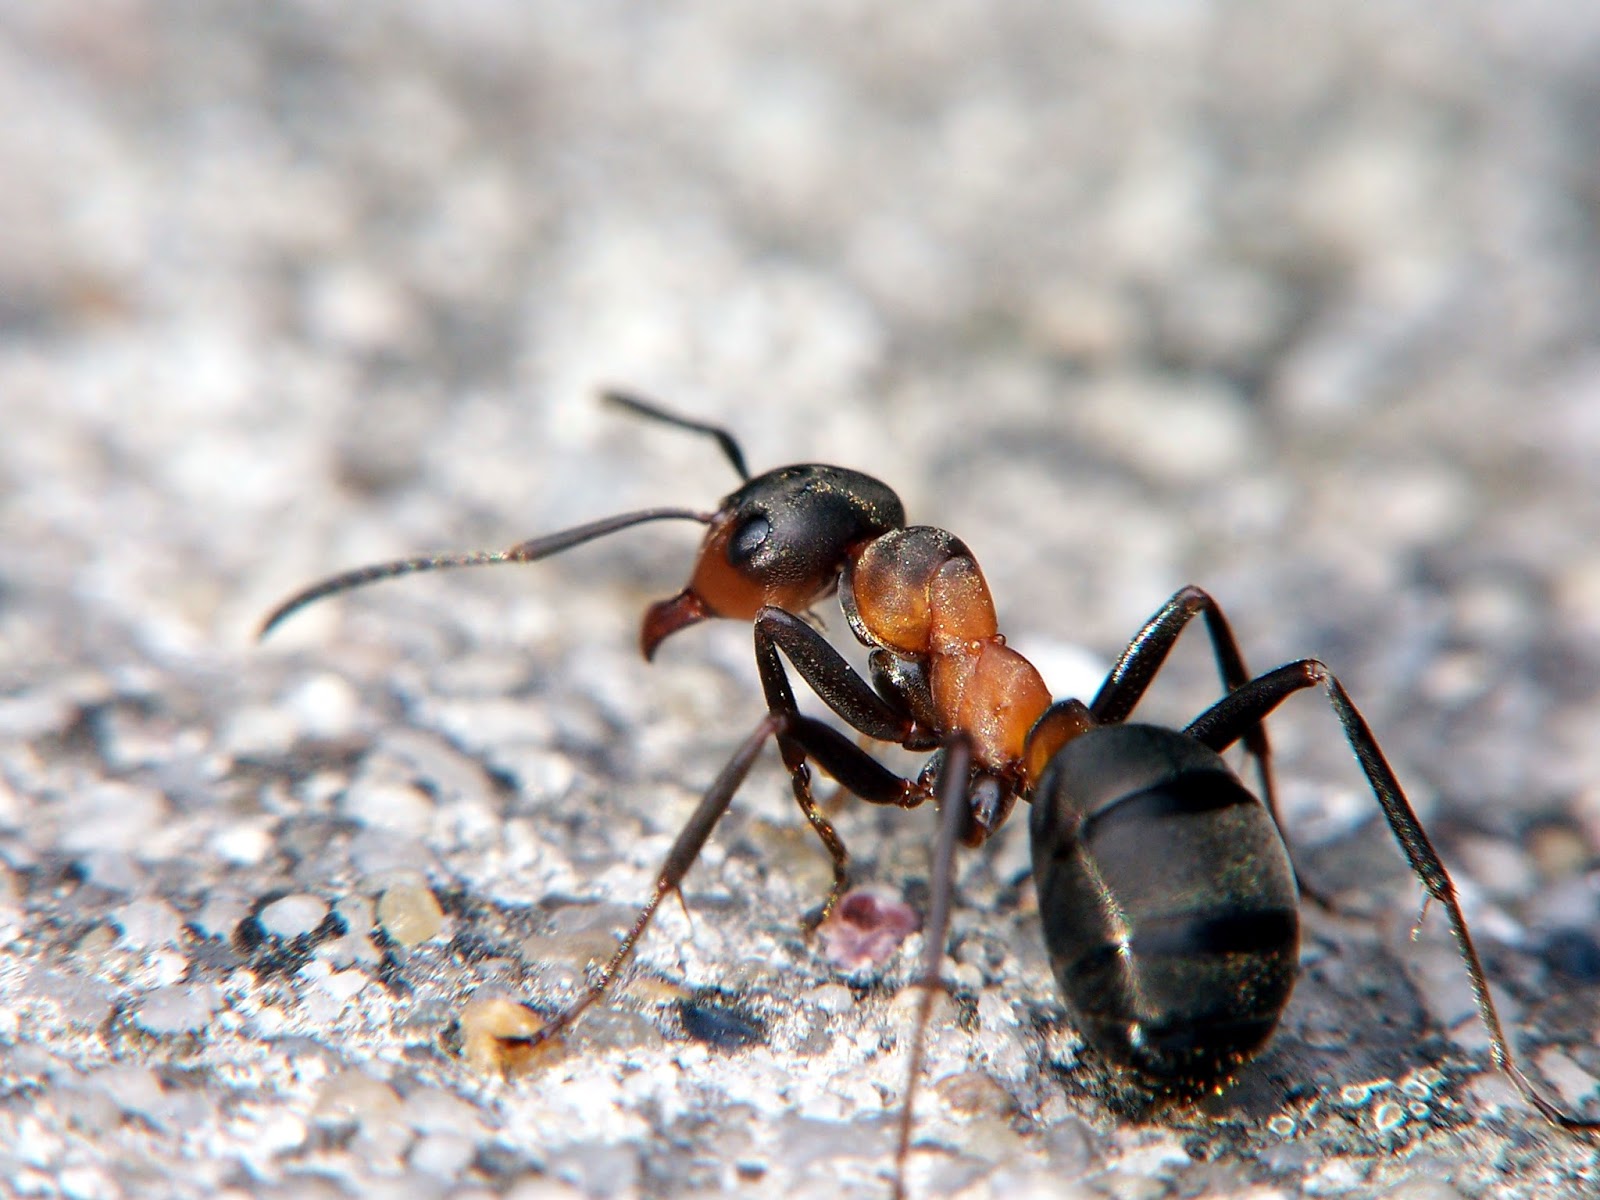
1166, 892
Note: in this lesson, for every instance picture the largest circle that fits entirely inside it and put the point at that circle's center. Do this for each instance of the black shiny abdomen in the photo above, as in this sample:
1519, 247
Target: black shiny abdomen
1168, 903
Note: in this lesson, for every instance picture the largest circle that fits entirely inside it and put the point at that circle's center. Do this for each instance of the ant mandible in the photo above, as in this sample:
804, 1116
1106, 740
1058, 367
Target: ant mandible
1166, 892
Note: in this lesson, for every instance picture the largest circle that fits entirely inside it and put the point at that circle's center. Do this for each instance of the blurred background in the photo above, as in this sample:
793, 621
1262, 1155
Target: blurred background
1297, 301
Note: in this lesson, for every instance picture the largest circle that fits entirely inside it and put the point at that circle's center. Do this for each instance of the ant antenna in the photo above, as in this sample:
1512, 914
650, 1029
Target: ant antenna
644, 408
523, 552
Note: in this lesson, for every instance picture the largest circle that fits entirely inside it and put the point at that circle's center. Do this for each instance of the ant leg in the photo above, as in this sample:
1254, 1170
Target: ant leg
645, 408
827, 673
1129, 679
1244, 709
856, 771
690, 841
849, 695
953, 815
1125, 686
853, 766
834, 801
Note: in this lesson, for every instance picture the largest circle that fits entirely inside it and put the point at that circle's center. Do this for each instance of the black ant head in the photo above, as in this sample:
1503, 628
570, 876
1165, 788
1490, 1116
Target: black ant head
781, 539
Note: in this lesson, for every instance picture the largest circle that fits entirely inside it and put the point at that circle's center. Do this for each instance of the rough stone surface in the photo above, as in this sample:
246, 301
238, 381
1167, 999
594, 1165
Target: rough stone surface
1296, 301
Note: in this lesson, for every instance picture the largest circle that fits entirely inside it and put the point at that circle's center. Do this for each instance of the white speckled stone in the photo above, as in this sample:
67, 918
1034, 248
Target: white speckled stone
325, 704
245, 842
145, 924
294, 915
389, 806
177, 1008
112, 816
442, 1155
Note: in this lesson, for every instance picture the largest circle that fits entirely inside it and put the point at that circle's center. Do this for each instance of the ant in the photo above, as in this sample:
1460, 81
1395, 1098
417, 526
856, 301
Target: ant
1167, 896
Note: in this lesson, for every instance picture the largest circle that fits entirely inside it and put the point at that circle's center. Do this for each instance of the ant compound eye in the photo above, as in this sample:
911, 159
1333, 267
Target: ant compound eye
784, 537
748, 539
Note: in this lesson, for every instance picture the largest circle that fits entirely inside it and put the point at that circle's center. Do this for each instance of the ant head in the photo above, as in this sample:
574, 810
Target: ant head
781, 539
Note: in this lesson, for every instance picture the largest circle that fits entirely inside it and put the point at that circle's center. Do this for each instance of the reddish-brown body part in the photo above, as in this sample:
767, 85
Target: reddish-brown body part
914, 596
932, 606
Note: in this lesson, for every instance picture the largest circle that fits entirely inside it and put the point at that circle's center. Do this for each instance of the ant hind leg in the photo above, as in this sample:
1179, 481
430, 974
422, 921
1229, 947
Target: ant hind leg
1246, 707
1144, 657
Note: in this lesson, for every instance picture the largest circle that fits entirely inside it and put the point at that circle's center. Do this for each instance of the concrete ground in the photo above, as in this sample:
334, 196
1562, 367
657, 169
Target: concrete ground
1296, 301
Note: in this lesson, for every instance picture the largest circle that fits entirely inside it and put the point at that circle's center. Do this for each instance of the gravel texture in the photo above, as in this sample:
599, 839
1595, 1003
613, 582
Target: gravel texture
1298, 301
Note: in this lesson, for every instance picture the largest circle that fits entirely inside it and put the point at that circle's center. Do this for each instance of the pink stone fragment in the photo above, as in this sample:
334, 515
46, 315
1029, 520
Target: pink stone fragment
865, 929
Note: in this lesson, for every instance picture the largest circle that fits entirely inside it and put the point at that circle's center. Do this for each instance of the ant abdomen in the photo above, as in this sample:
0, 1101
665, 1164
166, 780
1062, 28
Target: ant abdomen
1167, 900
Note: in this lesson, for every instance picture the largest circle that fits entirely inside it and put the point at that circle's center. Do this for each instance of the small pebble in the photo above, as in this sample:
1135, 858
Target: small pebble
219, 916
376, 850
1575, 1086
1429, 1188
1207, 429
177, 1008
494, 1033
541, 1188
387, 805
280, 1133
410, 914
431, 1110
831, 998
974, 1093
720, 1025
34, 714
88, 1183
259, 731
134, 1089
442, 1155
354, 1095
1421, 1084
244, 843
356, 912
325, 704
10, 806
96, 943
1354, 1095
1558, 851
1388, 1116
293, 916
111, 869
344, 986
160, 968
864, 929
113, 816
148, 923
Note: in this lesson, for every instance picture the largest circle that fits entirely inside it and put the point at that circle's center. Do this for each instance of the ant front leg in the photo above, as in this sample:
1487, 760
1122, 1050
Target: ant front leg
686, 848
1245, 708
801, 738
